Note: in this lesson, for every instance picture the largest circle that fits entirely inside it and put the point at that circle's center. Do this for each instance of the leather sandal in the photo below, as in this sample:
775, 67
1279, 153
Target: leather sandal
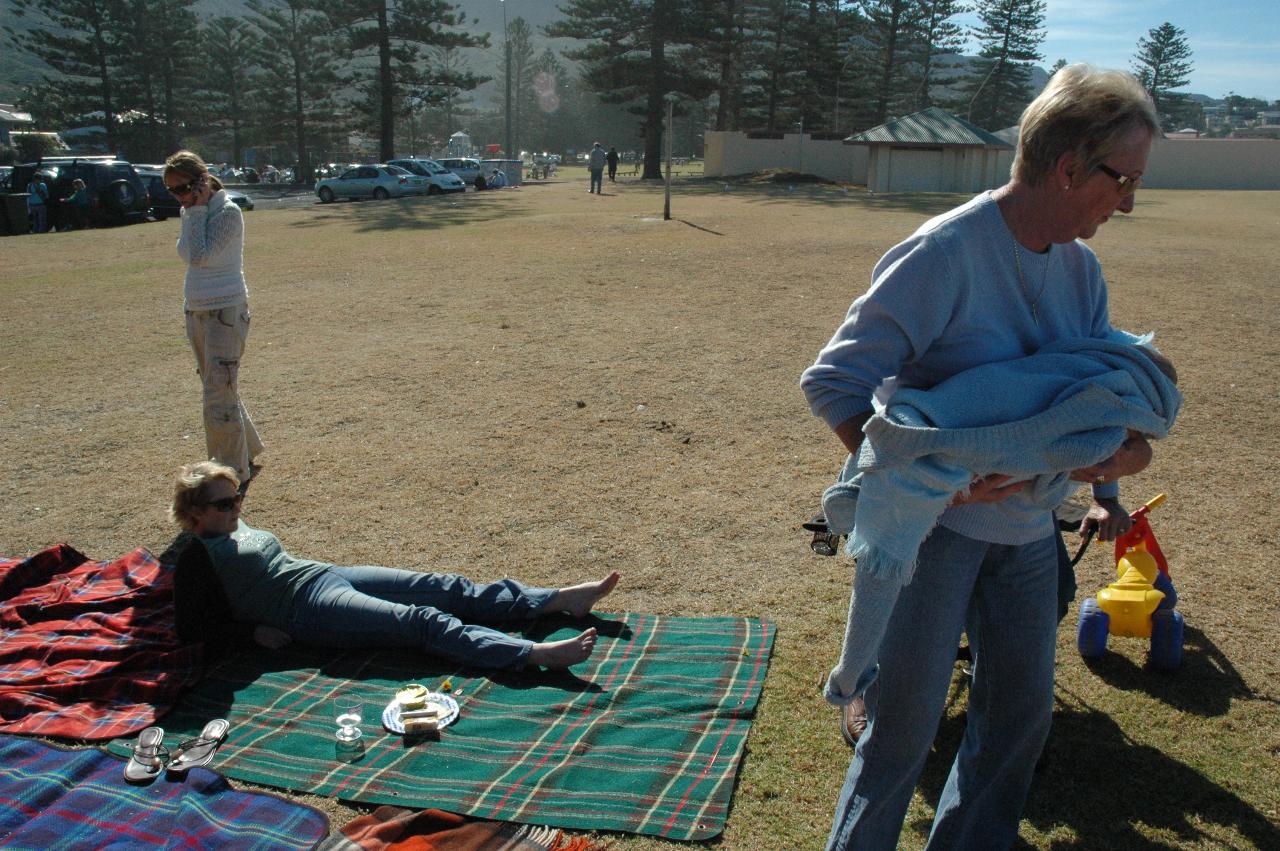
148, 757
199, 751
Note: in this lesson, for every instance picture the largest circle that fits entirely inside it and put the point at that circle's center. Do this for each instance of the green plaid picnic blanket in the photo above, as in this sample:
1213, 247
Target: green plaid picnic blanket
645, 737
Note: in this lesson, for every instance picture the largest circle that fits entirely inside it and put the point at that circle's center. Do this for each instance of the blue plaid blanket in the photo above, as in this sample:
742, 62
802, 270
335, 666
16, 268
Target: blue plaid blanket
56, 798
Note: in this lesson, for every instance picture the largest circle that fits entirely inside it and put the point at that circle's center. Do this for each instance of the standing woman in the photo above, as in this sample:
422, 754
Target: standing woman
216, 303
992, 280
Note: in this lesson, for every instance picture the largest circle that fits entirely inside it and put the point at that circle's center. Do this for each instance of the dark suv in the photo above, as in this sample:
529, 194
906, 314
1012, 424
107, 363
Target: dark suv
117, 195
164, 205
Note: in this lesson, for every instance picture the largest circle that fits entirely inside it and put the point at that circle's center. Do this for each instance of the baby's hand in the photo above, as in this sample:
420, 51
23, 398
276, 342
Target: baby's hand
1133, 456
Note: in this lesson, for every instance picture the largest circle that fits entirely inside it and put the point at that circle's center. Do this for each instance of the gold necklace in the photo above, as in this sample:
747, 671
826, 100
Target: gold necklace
1044, 279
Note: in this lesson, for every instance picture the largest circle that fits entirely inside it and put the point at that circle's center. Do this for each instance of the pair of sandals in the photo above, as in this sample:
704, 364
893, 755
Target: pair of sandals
150, 755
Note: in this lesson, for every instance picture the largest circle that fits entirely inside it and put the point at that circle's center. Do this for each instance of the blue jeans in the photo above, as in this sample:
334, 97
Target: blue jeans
39, 217
1009, 596
597, 179
386, 607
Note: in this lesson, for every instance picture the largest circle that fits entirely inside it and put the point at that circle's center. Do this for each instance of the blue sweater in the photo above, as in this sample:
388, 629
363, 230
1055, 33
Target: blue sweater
948, 299
260, 579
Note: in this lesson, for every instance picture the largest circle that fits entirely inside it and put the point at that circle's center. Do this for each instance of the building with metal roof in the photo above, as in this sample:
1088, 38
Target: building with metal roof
12, 119
933, 151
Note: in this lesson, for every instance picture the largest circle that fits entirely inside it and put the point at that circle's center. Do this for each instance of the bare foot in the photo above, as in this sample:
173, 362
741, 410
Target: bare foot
579, 600
562, 654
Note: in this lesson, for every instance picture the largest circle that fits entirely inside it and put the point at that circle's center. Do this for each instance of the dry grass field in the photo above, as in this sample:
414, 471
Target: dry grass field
537, 384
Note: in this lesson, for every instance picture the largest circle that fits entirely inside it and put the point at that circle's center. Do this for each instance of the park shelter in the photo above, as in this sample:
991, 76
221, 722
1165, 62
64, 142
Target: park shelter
459, 145
932, 151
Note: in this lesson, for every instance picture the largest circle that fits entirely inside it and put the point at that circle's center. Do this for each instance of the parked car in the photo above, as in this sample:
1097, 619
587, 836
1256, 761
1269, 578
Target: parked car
466, 168
117, 195
441, 179
371, 181
163, 202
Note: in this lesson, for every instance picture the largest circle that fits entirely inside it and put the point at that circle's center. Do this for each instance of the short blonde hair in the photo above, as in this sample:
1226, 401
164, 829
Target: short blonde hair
189, 165
192, 487
1083, 110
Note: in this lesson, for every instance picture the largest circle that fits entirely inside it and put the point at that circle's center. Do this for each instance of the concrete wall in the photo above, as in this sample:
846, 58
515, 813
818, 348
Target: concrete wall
1174, 163
730, 152
1214, 164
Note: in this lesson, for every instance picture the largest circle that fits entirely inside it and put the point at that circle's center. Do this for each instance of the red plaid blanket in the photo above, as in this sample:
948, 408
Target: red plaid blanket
89, 649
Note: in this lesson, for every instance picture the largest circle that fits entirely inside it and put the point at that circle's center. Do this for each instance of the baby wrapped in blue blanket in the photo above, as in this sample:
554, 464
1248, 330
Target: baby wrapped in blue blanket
1069, 406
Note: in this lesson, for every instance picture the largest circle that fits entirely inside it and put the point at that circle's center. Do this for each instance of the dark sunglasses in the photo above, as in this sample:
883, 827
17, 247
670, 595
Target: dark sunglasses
227, 503
183, 188
1128, 185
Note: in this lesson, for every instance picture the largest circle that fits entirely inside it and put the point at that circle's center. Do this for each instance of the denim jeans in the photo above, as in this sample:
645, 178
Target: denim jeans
597, 182
433, 612
1008, 597
217, 339
39, 217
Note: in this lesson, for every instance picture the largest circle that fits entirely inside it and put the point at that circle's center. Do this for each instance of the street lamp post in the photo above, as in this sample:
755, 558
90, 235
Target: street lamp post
506, 49
666, 204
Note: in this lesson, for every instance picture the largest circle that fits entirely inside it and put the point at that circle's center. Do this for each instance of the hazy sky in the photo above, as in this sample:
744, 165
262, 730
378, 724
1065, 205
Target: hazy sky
1235, 44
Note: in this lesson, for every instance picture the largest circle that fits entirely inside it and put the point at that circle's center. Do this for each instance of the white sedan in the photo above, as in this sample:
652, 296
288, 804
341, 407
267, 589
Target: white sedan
371, 181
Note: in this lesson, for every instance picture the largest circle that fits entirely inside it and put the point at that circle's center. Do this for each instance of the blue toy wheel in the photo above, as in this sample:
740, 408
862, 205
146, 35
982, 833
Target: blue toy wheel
1166, 639
1091, 629
1165, 584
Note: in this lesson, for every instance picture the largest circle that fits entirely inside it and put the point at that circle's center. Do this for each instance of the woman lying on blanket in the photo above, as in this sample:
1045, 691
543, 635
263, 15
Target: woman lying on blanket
251, 587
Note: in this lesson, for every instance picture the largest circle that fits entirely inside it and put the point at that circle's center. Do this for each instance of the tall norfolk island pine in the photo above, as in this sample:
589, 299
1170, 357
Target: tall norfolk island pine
398, 34
1000, 86
635, 52
80, 40
1162, 64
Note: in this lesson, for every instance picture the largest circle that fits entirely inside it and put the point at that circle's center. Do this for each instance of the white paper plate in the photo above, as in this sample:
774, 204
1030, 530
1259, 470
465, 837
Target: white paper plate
391, 714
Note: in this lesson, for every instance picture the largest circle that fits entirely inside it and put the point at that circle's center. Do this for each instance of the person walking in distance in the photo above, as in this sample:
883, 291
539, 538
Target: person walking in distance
595, 164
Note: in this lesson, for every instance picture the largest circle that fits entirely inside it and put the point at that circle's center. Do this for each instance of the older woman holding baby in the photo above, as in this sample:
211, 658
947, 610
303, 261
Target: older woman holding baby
996, 279
273, 598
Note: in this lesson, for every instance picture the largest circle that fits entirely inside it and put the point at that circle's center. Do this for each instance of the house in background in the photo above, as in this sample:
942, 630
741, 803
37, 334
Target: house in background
933, 151
10, 120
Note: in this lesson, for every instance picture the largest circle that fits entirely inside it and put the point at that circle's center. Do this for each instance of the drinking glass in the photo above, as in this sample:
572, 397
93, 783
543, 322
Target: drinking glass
348, 710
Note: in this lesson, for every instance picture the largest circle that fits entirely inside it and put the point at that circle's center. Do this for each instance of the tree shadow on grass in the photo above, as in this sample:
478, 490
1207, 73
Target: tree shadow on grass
421, 213
1109, 790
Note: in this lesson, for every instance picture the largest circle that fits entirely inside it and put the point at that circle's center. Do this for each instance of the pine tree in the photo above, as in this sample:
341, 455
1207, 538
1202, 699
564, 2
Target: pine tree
446, 102
232, 49
892, 37
519, 40
636, 52
160, 87
1162, 64
295, 89
1010, 36
391, 37
939, 36
725, 49
79, 40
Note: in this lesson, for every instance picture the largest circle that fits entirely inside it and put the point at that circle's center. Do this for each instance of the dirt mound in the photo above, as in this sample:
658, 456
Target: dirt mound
781, 175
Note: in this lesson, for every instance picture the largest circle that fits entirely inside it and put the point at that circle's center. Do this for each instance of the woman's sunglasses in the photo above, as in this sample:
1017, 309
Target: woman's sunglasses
183, 188
228, 503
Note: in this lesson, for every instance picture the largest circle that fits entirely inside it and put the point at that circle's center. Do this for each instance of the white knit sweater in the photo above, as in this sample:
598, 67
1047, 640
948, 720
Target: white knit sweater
212, 243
